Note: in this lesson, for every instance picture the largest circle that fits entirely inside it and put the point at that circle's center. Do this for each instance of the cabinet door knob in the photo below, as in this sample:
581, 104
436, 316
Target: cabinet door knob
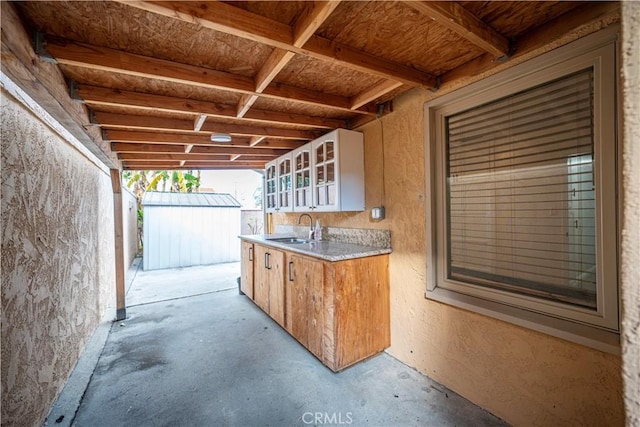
290, 271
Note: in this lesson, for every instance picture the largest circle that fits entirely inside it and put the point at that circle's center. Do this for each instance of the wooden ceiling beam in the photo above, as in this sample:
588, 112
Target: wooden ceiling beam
191, 166
78, 54
95, 95
453, 16
151, 165
233, 20
253, 151
127, 147
226, 165
145, 148
93, 57
573, 22
198, 122
274, 64
256, 140
374, 93
313, 15
127, 121
245, 157
115, 135
159, 157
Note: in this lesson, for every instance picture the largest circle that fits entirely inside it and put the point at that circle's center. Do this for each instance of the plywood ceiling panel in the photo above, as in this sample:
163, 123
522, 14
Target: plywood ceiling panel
383, 29
284, 12
513, 19
273, 73
120, 27
336, 79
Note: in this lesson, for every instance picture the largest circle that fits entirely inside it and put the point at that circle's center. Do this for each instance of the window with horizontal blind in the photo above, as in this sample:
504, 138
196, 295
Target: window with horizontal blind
523, 181
521, 204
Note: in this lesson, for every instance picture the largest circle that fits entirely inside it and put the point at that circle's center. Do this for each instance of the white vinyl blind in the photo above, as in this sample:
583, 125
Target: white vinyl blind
521, 193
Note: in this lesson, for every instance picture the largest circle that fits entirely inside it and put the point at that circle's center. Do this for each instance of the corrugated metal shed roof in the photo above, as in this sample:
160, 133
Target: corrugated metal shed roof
214, 200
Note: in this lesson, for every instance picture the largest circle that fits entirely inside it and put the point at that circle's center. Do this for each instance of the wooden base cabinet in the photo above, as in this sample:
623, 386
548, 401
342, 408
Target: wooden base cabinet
304, 302
268, 288
246, 269
339, 310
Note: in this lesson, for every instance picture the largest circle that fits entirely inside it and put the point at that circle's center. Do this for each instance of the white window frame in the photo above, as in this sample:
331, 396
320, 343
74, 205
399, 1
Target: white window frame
596, 328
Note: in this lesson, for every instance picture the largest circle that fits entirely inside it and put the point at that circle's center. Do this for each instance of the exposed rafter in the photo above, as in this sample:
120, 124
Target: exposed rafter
194, 139
459, 20
173, 165
126, 147
183, 157
247, 89
127, 121
374, 93
95, 95
241, 23
571, 22
105, 59
144, 148
313, 15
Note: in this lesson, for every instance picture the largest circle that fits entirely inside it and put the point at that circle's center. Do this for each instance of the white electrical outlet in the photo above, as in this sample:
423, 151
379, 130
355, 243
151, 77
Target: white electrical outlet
377, 213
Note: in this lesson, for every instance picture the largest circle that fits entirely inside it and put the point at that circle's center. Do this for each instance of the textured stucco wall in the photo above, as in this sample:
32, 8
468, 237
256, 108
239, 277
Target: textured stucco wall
58, 277
525, 377
631, 223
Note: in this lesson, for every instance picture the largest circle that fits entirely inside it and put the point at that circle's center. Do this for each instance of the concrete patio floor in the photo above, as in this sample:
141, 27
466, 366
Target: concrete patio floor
193, 352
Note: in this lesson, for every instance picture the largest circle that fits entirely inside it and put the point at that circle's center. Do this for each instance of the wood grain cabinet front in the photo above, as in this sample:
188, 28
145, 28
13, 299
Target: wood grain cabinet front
269, 281
304, 302
338, 310
246, 269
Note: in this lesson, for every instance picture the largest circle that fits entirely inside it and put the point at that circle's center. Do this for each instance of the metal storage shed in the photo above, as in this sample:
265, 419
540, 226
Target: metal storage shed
188, 229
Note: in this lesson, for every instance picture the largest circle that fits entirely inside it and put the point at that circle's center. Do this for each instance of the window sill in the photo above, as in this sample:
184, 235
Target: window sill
589, 336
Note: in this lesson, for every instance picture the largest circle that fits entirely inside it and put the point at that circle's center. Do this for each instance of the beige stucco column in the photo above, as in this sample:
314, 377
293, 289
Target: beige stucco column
631, 215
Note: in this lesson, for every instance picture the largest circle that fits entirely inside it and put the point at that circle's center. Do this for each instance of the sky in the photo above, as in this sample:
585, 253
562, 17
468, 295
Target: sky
241, 184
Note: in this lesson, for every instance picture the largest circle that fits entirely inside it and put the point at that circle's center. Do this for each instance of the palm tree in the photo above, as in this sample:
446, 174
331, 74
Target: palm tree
142, 181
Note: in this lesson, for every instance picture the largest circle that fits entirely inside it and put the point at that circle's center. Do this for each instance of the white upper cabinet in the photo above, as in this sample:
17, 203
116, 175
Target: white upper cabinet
284, 172
278, 182
328, 174
270, 187
302, 191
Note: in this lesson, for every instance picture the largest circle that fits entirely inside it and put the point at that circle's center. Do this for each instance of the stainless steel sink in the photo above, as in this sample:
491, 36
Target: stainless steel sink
290, 240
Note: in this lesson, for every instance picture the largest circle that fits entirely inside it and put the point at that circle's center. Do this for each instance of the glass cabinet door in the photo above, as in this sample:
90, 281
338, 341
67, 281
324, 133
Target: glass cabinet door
302, 194
271, 188
284, 185
325, 191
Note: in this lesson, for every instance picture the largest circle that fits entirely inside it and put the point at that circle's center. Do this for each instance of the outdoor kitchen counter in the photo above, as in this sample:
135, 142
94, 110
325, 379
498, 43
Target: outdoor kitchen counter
325, 250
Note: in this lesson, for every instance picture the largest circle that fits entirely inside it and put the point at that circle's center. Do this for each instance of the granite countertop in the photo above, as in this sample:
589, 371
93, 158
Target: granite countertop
325, 250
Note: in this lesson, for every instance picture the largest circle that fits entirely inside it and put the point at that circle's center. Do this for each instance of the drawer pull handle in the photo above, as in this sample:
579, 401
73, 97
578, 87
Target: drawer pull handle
290, 271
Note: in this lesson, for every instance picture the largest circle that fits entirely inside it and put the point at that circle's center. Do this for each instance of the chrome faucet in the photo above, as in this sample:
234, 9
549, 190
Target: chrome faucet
310, 224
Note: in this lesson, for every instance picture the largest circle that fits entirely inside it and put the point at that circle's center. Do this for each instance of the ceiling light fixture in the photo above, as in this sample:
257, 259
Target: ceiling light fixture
220, 137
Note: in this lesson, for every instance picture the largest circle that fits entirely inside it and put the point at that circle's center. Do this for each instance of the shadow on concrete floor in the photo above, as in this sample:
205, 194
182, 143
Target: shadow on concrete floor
215, 359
